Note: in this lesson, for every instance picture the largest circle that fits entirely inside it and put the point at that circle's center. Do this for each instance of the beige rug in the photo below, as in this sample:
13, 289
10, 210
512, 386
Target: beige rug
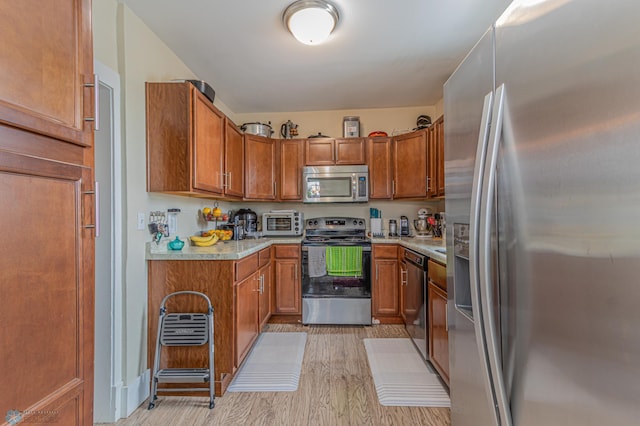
273, 365
401, 377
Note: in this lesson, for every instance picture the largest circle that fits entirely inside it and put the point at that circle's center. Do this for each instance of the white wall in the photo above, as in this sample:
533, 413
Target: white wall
124, 43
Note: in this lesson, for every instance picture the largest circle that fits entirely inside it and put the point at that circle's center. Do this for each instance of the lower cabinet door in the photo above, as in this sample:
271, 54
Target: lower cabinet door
287, 286
246, 302
385, 288
438, 331
264, 308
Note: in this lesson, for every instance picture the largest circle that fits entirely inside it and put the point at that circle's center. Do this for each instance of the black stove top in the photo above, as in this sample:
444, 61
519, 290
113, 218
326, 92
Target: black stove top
336, 231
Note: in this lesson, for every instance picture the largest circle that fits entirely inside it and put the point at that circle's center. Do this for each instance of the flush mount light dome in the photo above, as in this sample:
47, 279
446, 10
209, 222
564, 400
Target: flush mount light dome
311, 21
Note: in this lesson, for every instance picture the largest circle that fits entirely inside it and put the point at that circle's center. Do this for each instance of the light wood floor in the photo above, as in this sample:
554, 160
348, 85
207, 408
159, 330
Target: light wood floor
336, 388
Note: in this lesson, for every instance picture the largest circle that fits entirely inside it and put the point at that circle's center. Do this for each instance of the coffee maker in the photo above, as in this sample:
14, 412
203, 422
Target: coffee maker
404, 226
245, 221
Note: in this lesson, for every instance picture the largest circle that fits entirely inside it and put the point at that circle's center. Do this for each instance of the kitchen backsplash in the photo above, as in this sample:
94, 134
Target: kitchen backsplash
190, 221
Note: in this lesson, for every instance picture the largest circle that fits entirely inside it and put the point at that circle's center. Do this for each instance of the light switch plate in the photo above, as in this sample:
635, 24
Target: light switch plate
140, 221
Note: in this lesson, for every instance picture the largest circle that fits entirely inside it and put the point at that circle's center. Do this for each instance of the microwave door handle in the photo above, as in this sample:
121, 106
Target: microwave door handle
354, 187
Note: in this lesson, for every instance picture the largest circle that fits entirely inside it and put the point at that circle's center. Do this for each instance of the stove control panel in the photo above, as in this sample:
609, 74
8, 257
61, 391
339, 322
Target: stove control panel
336, 224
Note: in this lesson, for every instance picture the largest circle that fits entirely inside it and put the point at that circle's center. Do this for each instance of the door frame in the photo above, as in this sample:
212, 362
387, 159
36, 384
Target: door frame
111, 80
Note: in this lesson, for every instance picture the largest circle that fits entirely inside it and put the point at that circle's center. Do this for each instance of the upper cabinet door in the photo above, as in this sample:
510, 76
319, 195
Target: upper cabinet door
234, 161
291, 162
350, 151
49, 48
379, 159
410, 165
208, 145
320, 152
260, 168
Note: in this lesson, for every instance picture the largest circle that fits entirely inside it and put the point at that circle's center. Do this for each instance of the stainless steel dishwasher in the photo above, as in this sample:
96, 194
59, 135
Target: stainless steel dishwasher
414, 305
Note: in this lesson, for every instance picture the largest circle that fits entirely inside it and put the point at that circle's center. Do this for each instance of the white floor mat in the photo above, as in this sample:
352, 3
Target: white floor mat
401, 376
273, 365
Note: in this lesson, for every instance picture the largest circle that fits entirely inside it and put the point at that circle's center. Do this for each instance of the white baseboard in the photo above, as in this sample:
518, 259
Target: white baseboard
134, 394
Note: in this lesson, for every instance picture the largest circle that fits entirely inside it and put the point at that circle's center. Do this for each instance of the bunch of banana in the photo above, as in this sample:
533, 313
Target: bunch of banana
204, 241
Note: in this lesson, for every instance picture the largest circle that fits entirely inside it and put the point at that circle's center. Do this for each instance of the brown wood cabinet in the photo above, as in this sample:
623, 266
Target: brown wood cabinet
46, 165
265, 293
385, 289
185, 141
380, 168
439, 152
438, 321
247, 303
240, 294
402, 265
259, 168
233, 160
328, 152
286, 262
291, 163
410, 164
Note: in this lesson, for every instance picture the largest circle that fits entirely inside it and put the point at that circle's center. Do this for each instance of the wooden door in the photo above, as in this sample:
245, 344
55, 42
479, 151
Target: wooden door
380, 170
432, 162
385, 287
291, 162
402, 266
350, 151
410, 165
438, 330
246, 305
208, 145
234, 160
264, 308
440, 156
287, 284
259, 168
47, 212
47, 67
46, 282
320, 152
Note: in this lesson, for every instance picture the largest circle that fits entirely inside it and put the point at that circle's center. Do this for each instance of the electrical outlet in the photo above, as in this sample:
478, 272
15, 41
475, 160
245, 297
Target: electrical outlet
140, 221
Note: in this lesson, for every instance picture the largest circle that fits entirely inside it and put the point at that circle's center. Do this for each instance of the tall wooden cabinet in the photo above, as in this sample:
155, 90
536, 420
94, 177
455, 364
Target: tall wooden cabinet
46, 179
185, 141
291, 157
410, 165
233, 160
380, 168
260, 168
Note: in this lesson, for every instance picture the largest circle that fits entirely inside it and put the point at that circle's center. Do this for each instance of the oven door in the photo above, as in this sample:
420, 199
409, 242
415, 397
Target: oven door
330, 299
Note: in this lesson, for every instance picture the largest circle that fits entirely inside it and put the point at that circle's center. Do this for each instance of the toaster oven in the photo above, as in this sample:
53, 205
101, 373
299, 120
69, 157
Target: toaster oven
282, 224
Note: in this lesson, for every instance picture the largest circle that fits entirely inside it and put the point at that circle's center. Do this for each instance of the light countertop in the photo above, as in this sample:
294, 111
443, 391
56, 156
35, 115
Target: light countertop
233, 250
426, 246
222, 250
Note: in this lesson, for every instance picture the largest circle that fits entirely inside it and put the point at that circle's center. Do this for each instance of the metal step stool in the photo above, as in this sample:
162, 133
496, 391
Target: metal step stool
183, 329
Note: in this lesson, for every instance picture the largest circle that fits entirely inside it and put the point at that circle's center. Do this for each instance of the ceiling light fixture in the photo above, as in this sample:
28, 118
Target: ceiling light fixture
311, 21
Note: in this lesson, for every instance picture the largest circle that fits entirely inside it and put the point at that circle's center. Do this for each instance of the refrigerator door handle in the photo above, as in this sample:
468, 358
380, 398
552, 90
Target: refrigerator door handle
485, 259
474, 244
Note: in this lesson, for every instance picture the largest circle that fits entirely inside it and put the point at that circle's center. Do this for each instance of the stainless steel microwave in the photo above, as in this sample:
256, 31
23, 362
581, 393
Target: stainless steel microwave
336, 184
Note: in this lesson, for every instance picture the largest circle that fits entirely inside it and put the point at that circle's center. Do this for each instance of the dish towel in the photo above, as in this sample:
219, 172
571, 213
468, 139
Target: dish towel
317, 262
344, 261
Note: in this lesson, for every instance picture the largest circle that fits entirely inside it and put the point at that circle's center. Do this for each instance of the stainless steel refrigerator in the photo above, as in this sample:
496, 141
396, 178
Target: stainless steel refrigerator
542, 172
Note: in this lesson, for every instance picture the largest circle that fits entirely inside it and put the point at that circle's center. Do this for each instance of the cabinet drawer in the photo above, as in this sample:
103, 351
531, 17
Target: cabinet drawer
264, 257
289, 251
384, 251
438, 274
245, 267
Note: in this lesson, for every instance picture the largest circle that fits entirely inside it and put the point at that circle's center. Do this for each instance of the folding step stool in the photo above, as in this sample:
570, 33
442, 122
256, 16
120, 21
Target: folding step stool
183, 329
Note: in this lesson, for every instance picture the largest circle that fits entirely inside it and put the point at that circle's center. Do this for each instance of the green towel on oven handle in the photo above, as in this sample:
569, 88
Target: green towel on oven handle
344, 261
